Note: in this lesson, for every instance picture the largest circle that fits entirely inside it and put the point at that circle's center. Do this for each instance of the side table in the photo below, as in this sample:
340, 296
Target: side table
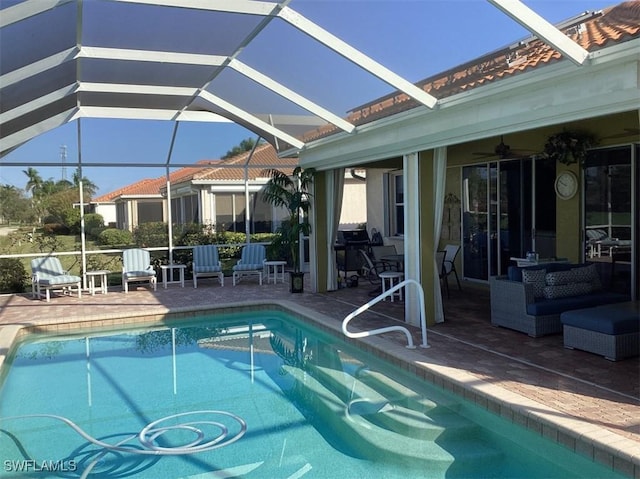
275, 270
171, 268
91, 279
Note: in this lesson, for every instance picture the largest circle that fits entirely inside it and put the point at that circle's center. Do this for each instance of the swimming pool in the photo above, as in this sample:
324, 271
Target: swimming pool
247, 395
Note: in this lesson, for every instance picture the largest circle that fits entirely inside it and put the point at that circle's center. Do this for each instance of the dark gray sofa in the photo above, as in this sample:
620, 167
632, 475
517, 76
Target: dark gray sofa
533, 304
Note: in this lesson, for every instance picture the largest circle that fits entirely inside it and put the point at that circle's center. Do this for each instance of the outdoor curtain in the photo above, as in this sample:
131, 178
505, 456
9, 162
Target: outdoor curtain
335, 187
439, 177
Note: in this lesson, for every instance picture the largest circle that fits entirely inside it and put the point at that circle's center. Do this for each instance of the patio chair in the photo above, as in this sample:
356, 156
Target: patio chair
449, 264
206, 263
251, 262
440, 255
47, 274
136, 266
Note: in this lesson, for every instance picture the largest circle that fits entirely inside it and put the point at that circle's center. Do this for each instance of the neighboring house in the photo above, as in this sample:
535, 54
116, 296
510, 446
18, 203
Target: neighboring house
213, 193
485, 150
105, 206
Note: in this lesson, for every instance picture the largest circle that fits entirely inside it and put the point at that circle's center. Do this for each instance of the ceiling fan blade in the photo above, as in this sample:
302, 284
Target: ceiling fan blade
626, 133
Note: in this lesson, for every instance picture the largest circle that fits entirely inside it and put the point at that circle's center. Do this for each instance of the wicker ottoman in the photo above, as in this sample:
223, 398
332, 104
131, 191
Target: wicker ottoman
612, 330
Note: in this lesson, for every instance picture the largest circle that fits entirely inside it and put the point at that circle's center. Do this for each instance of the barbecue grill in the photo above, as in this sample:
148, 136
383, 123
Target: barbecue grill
348, 245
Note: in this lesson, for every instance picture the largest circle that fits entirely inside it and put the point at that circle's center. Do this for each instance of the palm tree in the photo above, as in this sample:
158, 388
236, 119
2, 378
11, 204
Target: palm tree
291, 193
35, 181
89, 188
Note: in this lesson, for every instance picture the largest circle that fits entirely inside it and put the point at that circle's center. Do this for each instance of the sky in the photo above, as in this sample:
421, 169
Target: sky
413, 38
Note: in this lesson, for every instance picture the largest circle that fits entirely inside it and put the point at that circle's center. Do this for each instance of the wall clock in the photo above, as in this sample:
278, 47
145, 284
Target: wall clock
566, 185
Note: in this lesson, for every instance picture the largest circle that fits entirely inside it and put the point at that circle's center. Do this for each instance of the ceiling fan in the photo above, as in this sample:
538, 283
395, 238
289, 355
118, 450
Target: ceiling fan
504, 151
627, 132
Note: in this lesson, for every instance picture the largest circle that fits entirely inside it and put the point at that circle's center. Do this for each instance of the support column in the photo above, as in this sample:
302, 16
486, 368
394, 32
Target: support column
427, 231
412, 253
318, 239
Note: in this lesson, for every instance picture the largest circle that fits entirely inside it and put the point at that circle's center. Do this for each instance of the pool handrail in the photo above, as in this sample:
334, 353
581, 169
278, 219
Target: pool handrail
377, 299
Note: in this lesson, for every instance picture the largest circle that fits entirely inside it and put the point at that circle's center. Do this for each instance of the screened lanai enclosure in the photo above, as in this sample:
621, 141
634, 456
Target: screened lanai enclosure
291, 73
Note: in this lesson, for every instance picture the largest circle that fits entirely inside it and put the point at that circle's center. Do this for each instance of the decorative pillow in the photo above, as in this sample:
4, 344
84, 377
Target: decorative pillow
564, 290
588, 274
536, 277
560, 277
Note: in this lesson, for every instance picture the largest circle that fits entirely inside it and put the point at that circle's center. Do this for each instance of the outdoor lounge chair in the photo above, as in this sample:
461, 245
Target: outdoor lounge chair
206, 263
136, 266
251, 262
371, 268
47, 274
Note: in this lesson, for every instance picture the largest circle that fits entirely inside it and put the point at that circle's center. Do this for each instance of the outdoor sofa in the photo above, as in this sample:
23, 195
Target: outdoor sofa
531, 299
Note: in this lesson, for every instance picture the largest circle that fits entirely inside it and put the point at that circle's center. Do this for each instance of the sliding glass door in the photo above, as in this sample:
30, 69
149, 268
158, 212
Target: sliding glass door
611, 216
508, 209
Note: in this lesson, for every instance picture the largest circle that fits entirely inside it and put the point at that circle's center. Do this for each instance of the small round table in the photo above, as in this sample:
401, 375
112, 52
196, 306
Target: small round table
275, 270
389, 280
91, 278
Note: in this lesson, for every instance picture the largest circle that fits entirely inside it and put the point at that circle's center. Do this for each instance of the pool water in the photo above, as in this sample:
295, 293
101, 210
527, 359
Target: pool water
255, 395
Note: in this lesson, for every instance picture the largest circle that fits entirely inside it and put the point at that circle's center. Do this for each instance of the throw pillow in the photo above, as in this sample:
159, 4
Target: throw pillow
560, 277
588, 274
564, 290
535, 277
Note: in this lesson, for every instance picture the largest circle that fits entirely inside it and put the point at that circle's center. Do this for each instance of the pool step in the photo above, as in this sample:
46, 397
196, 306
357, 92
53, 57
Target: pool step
374, 442
397, 408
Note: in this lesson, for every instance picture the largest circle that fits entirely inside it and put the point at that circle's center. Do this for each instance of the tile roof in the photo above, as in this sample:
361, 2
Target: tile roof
264, 156
615, 24
147, 186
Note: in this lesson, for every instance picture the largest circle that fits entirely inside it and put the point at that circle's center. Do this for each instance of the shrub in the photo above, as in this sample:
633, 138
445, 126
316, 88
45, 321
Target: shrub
13, 276
55, 229
115, 237
151, 234
71, 219
93, 224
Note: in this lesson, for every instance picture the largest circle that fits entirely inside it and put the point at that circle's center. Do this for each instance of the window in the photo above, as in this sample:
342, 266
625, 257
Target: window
396, 209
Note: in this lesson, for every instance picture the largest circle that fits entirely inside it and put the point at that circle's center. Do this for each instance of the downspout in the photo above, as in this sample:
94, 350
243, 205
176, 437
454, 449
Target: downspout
247, 215
356, 176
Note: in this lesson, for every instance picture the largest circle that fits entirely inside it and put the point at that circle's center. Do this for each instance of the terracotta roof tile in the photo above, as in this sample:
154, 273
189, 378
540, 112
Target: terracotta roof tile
264, 156
616, 24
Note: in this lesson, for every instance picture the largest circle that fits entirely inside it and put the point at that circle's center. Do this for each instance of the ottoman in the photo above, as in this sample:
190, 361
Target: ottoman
611, 330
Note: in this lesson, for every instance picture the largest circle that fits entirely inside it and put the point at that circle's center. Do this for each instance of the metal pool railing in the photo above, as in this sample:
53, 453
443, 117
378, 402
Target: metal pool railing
377, 299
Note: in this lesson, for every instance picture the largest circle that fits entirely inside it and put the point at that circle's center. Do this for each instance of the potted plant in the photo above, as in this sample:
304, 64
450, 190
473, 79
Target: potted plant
291, 192
569, 146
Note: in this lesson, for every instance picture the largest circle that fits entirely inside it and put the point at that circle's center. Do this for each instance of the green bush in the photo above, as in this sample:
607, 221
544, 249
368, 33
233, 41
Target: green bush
71, 219
115, 237
152, 234
93, 224
13, 276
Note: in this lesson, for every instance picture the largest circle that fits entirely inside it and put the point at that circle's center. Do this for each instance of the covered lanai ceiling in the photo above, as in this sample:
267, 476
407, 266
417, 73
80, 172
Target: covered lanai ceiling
180, 60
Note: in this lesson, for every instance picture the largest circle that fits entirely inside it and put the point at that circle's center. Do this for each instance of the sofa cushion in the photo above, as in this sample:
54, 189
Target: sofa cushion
535, 277
588, 274
564, 290
544, 307
515, 272
560, 277
619, 318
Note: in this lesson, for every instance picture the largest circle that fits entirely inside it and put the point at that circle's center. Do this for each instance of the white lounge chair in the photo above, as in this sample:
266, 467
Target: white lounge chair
251, 262
136, 266
47, 274
206, 263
